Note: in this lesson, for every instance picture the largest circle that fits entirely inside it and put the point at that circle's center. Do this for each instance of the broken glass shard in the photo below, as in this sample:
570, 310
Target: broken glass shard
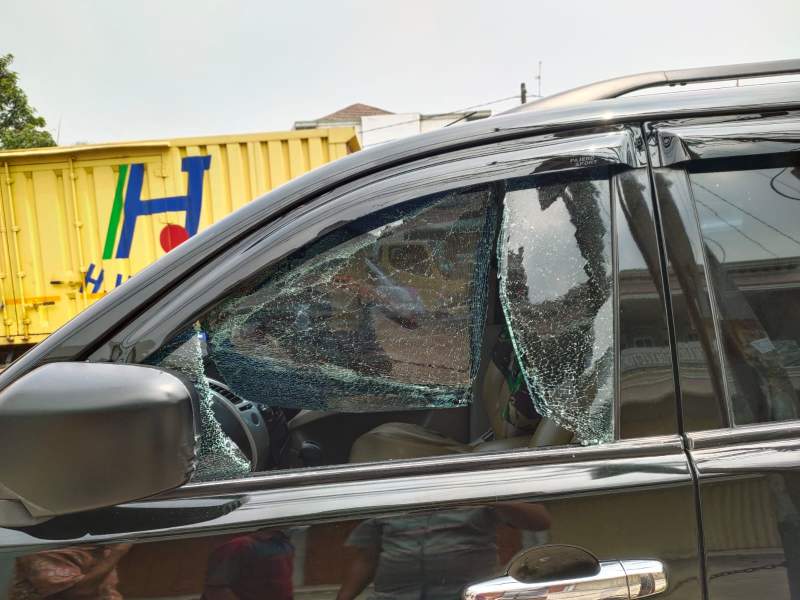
218, 457
383, 313
555, 270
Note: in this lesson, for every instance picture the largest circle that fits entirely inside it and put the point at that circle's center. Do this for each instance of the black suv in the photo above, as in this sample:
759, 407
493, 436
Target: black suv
552, 354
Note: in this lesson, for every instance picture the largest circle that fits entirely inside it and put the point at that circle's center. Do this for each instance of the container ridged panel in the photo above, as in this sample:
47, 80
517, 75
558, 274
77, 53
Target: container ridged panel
63, 241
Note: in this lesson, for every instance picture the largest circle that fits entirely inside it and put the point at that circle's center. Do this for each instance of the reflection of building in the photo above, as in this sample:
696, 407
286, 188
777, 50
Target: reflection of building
759, 283
753, 291
374, 125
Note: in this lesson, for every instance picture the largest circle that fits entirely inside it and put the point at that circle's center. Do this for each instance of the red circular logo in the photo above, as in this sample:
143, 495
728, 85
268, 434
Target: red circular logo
172, 236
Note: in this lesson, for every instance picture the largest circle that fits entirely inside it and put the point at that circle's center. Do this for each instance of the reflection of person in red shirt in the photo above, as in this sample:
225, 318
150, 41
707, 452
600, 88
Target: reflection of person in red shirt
251, 567
69, 574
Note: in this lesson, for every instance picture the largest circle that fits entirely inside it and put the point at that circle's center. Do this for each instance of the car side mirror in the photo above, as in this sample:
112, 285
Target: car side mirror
79, 436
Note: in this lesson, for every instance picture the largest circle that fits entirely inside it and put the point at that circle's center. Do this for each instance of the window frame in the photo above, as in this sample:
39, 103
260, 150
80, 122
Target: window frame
607, 146
731, 139
616, 146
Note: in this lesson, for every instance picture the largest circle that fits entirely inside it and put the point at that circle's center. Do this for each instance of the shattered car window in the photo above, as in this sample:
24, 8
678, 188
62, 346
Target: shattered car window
217, 456
381, 313
386, 314
555, 270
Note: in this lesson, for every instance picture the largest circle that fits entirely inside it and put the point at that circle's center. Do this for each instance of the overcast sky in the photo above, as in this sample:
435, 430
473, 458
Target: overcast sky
126, 70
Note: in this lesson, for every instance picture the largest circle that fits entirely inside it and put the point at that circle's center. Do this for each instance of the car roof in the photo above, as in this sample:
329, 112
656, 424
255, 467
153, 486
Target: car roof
626, 108
754, 98
652, 106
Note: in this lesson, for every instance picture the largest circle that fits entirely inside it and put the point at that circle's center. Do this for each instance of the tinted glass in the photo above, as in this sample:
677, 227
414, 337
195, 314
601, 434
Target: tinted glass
696, 350
750, 224
647, 386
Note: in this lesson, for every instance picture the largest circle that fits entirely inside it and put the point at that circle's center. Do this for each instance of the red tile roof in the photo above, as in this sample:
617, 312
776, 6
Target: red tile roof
354, 112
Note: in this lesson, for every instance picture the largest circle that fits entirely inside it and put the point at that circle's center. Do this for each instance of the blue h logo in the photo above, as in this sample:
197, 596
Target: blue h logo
135, 207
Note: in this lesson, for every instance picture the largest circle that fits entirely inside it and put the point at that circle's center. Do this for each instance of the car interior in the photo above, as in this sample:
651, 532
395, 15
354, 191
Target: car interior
277, 438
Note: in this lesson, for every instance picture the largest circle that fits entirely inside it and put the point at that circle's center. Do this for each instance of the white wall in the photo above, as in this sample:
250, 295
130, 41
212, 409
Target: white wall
376, 129
431, 123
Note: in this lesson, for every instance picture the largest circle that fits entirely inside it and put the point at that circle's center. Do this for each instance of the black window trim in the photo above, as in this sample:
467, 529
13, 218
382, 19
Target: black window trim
712, 300
436, 465
613, 194
128, 344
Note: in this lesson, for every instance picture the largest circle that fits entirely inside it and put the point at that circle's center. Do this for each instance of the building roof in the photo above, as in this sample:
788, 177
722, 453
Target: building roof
354, 112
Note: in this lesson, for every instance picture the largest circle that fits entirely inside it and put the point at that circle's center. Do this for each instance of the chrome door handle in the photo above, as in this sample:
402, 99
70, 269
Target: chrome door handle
614, 580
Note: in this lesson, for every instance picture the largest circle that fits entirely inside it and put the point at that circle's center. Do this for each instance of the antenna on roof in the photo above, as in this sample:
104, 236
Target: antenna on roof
539, 81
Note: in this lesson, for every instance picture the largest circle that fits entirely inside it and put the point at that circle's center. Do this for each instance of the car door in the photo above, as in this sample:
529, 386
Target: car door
729, 195
452, 376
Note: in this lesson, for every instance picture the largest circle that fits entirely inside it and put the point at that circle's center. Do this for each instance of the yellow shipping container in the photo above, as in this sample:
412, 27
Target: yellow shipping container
75, 222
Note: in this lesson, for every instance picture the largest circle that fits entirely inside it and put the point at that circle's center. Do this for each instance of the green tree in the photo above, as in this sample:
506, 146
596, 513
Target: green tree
20, 127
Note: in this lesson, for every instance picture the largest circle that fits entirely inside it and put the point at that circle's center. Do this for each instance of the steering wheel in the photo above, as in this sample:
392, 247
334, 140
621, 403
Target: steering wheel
260, 432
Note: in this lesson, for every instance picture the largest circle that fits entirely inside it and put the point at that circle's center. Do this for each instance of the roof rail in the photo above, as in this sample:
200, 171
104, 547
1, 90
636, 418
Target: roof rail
611, 88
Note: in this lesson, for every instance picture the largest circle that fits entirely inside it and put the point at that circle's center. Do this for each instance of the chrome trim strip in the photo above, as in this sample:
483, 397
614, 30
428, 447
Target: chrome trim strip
750, 449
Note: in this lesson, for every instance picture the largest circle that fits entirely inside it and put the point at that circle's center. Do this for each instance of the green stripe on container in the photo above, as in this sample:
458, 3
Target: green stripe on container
116, 212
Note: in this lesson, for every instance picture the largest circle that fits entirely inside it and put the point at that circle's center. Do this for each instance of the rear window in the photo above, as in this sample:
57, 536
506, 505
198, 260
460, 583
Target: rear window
750, 225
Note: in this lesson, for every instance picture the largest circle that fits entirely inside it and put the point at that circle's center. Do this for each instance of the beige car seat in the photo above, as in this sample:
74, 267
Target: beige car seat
398, 441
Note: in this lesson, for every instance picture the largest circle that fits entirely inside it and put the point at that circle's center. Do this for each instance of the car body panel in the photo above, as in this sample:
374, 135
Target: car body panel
600, 498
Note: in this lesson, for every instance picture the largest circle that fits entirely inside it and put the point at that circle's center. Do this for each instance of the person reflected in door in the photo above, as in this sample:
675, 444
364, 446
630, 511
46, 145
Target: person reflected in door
77, 573
251, 567
432, 556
